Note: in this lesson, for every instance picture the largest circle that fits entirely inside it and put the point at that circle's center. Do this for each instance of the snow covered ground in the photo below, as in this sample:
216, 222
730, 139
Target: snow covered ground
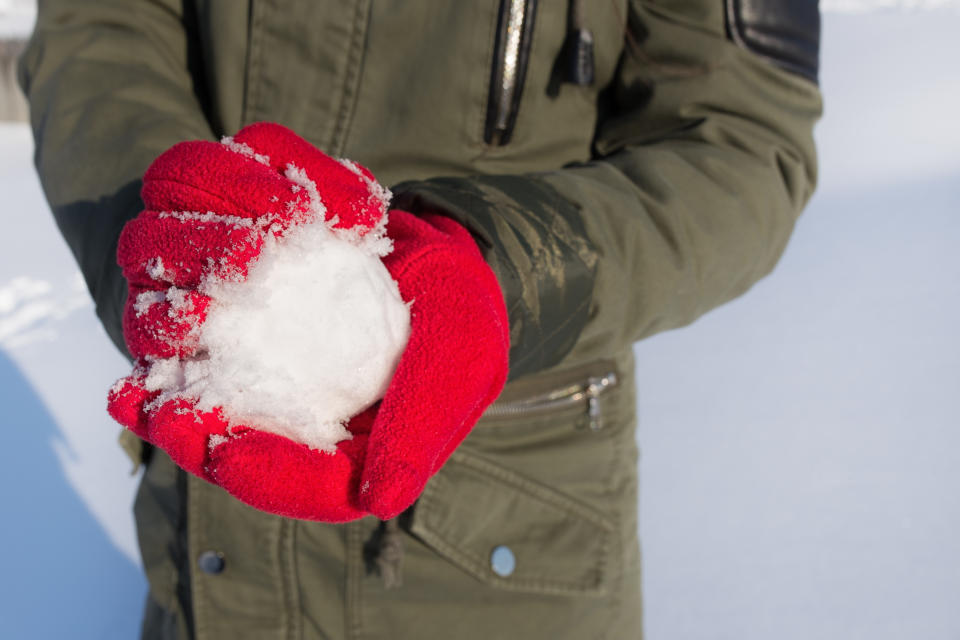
66, 490
801, 456
800, 447
17, 17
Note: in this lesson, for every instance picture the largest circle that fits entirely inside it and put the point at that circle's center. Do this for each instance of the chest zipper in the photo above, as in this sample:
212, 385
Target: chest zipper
512, 52
586, 393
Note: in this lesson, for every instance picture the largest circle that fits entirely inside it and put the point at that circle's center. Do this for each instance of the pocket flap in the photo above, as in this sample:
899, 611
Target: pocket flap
472, 506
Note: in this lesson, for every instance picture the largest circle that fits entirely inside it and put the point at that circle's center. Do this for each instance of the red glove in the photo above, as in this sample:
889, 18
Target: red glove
454, 366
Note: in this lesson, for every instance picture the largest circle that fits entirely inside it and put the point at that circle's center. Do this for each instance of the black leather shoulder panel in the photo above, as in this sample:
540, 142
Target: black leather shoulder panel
786, 32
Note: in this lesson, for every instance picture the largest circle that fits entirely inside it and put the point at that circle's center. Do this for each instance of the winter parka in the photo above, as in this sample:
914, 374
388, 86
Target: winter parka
625, 166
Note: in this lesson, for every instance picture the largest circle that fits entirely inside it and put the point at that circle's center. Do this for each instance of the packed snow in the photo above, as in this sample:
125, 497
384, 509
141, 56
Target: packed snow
307, 340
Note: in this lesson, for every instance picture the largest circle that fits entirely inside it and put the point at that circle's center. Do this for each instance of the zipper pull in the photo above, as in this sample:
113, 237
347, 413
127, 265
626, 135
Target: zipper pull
578, 48
595, 386
579, 57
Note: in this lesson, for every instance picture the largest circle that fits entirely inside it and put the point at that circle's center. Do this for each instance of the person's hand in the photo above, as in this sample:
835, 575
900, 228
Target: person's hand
454, 365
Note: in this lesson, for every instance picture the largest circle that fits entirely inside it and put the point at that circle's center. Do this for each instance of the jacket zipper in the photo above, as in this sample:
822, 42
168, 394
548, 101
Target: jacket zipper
512, 52
585, 393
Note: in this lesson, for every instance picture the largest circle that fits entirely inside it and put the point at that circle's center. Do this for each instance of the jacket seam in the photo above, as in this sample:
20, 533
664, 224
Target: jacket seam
354, 576
253, 80
613, 546
353, 70
288, 578
196, 583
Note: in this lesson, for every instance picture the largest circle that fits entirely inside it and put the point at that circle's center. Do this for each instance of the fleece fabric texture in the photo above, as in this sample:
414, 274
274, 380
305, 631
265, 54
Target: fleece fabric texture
208, 209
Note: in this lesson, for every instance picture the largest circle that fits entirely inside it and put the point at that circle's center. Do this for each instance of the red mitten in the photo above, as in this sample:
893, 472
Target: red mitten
454, 365
210, 209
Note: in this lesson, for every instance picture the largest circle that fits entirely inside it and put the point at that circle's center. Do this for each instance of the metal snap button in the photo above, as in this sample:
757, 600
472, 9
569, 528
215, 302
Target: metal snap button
211, 562
502, 561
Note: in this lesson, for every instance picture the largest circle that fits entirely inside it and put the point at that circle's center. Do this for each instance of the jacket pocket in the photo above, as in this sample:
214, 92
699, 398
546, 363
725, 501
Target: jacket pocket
474, 509
583, 393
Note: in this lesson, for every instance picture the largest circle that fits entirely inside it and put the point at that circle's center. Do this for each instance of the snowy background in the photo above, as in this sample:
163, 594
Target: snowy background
801, 446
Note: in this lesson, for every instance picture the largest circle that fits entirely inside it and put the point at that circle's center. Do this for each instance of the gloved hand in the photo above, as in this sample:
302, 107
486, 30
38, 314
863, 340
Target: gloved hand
453, 367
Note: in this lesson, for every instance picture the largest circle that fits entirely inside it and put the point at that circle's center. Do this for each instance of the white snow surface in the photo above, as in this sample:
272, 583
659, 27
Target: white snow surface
17, 18
865, 6
65, 485
307, 340
30, 308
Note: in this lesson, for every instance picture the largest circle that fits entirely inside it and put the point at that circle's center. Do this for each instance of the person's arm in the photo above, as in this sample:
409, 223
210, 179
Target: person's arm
704, 161
110, 88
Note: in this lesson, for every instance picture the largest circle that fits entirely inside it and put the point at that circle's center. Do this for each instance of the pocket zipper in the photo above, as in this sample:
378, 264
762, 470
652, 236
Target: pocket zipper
514, 36
587, 391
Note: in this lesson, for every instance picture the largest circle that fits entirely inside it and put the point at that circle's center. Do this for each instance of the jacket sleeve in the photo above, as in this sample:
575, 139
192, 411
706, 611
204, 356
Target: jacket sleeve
703, 161
110, 88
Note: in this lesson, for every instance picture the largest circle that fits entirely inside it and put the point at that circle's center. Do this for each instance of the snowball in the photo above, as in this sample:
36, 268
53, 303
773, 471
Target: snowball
310, 338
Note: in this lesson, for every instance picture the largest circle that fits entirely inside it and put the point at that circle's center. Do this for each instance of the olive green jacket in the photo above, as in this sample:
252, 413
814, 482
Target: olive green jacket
610, 207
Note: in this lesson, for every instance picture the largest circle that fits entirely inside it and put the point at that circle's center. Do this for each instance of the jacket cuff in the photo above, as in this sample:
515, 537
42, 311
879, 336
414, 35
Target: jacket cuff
535, 241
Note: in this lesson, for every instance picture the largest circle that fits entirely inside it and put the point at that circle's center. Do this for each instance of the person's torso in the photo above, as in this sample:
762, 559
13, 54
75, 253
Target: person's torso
547, 480
411, 89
